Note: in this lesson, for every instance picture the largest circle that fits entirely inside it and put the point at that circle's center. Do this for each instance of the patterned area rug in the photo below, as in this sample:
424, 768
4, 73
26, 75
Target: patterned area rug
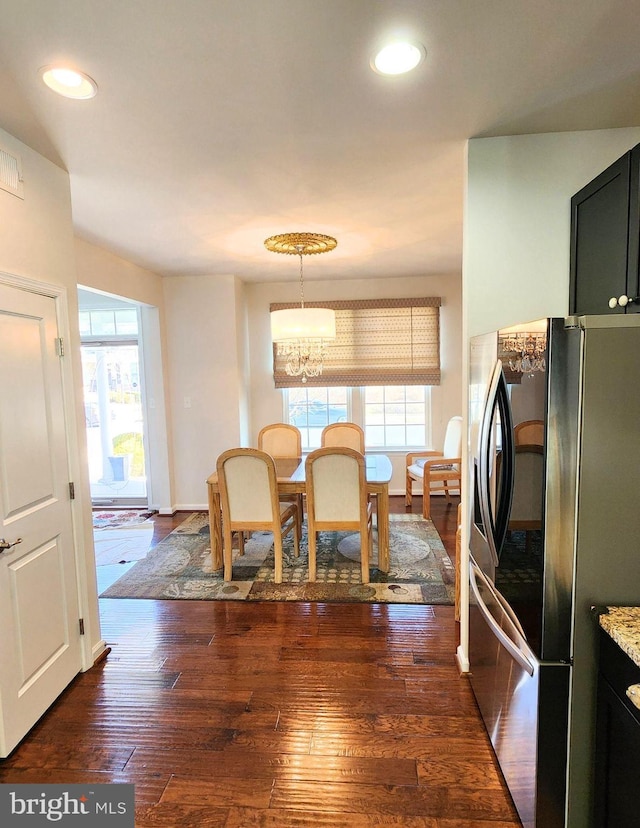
119, 517
519, 576
179, 567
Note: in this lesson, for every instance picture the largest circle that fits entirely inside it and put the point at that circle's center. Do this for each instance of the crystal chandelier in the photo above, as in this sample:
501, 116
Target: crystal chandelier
300, 333
526, 351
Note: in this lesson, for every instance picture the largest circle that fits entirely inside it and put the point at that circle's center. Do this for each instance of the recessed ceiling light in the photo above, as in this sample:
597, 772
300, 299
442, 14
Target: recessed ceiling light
69, 82
398, 57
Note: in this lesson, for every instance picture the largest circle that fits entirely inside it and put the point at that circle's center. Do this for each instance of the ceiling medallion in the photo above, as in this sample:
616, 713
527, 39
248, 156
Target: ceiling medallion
300, 243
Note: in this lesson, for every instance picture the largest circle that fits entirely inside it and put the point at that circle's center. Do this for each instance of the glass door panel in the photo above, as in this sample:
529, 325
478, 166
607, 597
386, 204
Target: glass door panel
114, 423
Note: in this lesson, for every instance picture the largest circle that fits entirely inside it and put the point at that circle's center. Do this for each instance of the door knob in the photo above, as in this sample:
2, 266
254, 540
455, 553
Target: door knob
4, 545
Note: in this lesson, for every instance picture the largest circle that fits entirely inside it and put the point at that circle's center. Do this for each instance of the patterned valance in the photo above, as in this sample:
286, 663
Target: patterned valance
378, 342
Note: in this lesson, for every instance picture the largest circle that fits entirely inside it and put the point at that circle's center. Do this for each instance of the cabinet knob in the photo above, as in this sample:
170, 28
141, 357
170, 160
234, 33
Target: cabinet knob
613, 302
623, 301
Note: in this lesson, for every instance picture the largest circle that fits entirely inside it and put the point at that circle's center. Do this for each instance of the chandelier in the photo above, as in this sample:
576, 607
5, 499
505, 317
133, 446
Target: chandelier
526, 351
300, 333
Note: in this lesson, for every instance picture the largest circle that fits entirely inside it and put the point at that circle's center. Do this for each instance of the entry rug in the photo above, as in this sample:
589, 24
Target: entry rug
121, 535
112, 518
179, 567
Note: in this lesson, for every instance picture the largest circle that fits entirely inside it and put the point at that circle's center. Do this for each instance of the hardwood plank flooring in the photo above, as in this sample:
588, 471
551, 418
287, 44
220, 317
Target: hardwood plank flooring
277, 715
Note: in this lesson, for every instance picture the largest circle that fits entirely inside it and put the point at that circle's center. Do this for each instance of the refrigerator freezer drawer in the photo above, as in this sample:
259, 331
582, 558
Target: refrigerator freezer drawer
524, 704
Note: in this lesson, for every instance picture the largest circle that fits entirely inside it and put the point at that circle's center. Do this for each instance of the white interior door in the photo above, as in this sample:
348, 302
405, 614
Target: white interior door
40, 649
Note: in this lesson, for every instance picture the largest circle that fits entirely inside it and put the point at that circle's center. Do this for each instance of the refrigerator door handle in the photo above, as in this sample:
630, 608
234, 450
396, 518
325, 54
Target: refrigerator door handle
497, 402
517, 651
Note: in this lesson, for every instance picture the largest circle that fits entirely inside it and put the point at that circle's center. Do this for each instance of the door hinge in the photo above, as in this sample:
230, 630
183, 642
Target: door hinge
72, 491
60, 346
81, 625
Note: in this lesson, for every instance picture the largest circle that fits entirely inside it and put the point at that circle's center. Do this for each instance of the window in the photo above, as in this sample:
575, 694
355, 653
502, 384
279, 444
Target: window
392, 416
311, 409
121, 322
395, 416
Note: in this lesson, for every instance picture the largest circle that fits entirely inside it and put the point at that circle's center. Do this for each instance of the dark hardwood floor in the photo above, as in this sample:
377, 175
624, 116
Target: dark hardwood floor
275, 715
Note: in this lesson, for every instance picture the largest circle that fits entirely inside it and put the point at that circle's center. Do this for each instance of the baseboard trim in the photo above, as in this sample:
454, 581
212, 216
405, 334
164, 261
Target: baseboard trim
191, 507
463, 662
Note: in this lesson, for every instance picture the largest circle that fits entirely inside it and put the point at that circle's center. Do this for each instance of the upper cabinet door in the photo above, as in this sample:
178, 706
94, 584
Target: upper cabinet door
604, 241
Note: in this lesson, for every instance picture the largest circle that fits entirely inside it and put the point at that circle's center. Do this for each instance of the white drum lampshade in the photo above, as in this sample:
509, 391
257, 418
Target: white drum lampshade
303, 323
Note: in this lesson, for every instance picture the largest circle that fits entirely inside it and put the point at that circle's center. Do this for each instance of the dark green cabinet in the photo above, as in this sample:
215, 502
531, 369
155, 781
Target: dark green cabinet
617, 741
605, 241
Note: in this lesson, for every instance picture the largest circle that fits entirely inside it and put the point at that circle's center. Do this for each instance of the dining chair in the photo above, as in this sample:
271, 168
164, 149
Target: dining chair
439, 471
249, 501
282, 440
526, 505
337, 500
343, 435
529, 433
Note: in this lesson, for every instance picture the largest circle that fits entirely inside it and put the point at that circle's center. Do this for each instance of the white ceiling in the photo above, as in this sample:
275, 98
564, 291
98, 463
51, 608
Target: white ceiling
221, 122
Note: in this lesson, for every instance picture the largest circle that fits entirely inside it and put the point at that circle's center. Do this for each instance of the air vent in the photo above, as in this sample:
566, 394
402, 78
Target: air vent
11, 173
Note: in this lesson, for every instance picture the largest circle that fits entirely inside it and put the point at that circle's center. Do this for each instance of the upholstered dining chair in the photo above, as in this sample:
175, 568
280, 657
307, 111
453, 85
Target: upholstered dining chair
343, 435
280, 440
526, 505
337, 499
249, 500
529, 433
439, 471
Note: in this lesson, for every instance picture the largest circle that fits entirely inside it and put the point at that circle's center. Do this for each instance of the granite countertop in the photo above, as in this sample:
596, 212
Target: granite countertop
623, 625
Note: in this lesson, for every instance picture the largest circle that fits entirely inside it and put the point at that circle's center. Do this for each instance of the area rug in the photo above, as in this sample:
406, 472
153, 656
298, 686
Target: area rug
519, 576
122, 543
119, 517
121, 535
179, 567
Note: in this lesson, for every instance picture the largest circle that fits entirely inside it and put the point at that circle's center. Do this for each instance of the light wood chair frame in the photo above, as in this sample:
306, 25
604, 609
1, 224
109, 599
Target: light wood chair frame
449, 479
363, 524
355, 440
285, 517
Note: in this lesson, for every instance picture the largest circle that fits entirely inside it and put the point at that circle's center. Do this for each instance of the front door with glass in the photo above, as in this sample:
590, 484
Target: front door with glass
114, 422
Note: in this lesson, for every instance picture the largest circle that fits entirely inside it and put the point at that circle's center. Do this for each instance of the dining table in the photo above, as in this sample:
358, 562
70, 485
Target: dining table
290, 473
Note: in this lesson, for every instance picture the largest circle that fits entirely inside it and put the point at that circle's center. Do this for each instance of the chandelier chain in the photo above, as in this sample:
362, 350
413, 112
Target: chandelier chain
301, 283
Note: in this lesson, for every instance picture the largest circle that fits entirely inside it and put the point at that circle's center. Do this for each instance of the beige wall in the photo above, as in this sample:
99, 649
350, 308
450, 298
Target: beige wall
100, 270
205, 317
266, 401
37, 244
219, 365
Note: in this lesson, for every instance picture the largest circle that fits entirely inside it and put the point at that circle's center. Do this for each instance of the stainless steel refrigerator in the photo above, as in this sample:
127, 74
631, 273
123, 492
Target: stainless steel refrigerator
554, 533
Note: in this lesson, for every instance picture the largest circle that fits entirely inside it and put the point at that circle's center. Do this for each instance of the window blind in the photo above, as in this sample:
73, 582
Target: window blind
378, 342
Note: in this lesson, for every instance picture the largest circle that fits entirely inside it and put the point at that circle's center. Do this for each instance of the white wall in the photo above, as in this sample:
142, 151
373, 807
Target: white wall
37, 243
207, 377
517, 235
103, 271
266, 401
